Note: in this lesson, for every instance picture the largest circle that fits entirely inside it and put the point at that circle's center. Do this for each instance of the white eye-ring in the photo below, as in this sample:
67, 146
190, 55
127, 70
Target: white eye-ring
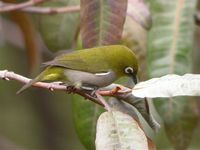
128, 70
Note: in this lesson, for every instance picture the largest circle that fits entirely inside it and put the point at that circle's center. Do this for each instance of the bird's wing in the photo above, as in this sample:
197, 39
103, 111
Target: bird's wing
82, 60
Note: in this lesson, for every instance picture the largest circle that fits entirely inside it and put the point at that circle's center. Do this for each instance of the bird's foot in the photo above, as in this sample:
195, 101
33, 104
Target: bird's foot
91, 90
70, 89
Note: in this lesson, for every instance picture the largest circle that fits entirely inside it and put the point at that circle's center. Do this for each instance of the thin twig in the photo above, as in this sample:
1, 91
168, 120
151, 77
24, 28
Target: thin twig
52, 10
102, 100
28, 7
8, 75
5, 7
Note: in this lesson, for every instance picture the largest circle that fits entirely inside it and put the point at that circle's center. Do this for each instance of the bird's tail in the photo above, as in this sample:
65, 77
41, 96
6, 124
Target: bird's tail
45, 76
30, 83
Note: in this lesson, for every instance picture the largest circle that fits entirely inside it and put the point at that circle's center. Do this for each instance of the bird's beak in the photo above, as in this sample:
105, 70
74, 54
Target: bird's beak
134, 78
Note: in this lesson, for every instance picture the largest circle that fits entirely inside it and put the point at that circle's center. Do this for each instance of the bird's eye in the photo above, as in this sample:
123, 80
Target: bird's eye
128, 70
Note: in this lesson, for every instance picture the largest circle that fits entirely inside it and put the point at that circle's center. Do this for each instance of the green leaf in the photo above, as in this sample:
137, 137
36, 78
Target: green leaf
170, 44
85, 115
196, 62
59, 31
132, 107
102, 21
119, 131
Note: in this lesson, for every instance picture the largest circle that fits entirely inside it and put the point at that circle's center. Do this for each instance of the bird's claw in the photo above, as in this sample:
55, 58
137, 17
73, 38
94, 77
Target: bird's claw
93, 93
70, 89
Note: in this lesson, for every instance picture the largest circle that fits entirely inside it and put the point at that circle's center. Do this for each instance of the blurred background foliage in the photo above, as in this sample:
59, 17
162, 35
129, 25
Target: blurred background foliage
165, 40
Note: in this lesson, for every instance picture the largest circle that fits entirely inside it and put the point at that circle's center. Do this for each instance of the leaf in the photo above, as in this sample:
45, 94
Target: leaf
133, 107
169, 86
102, 21
119, 131
139, 11
169, 53
195, 65
59, 31
85, 116
142, 106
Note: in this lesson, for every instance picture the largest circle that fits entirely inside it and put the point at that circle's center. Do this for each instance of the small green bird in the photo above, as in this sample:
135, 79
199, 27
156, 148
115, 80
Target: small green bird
90, 68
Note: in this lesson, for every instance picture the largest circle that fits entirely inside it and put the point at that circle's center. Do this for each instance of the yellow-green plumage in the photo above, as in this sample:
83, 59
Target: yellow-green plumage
95, 60
98, 59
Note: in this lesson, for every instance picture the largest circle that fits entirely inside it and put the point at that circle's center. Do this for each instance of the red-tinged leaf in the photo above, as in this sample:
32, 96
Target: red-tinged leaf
102, 21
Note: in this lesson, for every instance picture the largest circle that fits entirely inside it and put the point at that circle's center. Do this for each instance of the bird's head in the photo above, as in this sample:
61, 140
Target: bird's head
124, 62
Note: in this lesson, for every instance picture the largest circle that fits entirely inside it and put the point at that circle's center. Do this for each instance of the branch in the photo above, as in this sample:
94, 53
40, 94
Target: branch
28, 7
5, 7
114, 90
50, 10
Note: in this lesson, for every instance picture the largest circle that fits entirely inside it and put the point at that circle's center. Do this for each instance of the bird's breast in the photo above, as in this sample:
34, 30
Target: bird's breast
98, 79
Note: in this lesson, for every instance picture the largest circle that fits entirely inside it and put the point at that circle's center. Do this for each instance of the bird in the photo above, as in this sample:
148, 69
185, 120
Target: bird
90, 68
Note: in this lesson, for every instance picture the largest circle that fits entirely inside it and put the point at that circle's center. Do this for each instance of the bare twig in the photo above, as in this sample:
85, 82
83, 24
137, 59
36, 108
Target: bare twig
52, 10
28, 7
7, 75
103, 101
5, 7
